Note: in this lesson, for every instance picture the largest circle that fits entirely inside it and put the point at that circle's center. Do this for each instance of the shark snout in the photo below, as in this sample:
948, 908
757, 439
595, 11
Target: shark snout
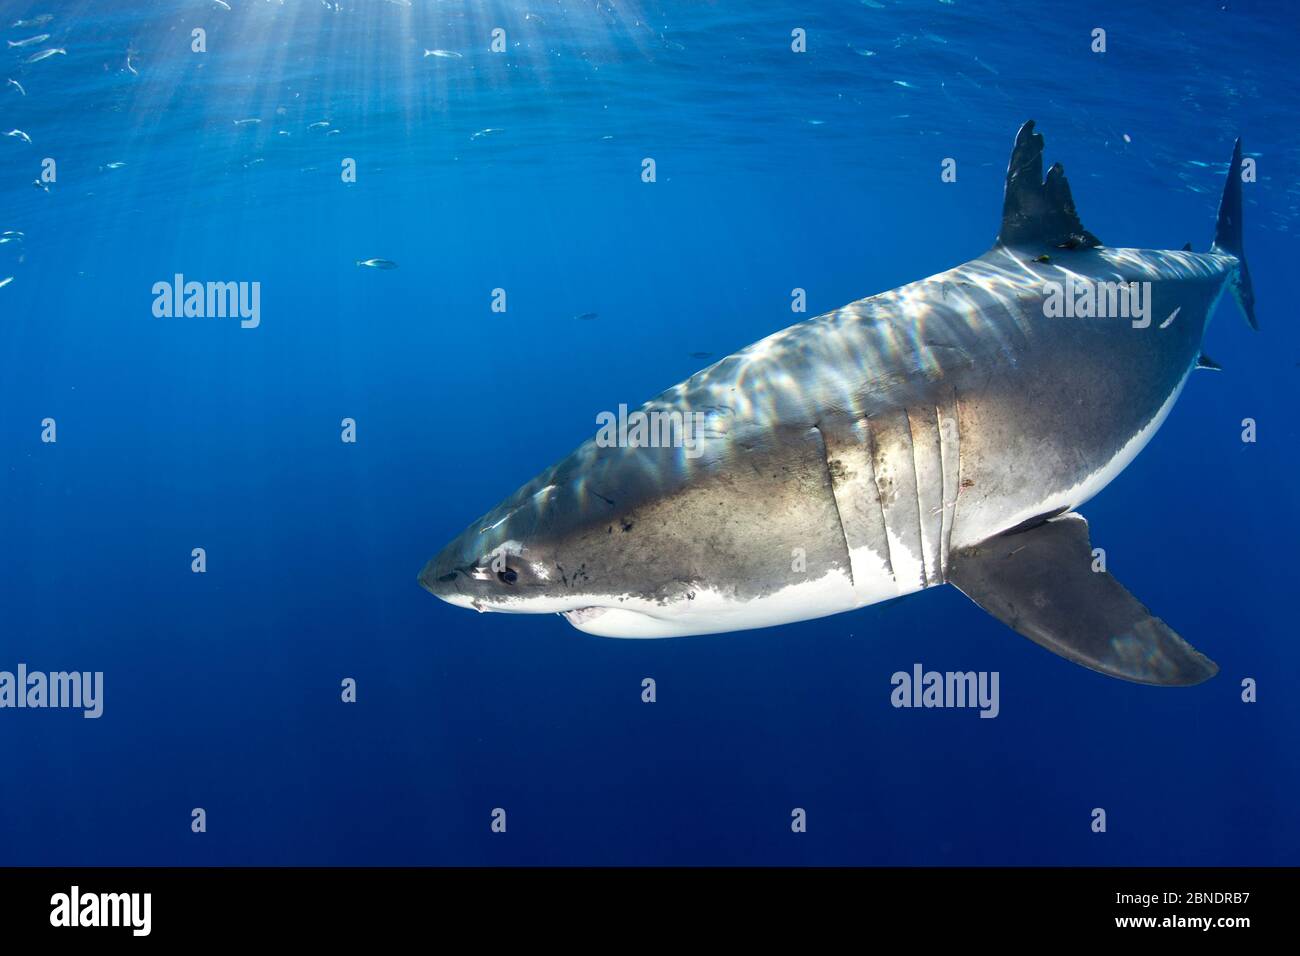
469, 571
482, 568
520, 557
445, 576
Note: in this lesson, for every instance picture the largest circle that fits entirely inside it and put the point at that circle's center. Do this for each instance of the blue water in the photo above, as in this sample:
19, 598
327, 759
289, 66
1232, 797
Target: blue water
775, 170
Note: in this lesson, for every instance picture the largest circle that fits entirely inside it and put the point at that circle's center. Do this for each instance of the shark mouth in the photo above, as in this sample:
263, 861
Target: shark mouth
582, 615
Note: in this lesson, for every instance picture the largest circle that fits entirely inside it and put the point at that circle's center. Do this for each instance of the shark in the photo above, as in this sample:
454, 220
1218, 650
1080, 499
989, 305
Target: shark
945, 432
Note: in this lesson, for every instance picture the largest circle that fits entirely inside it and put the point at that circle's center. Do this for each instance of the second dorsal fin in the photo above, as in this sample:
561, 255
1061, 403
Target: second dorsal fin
1037, 211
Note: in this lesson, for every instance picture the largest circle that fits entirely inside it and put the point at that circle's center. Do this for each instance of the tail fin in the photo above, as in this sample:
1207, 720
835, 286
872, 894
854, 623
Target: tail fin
1227, 237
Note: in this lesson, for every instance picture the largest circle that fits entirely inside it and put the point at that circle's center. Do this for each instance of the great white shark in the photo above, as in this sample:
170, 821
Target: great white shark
944, 432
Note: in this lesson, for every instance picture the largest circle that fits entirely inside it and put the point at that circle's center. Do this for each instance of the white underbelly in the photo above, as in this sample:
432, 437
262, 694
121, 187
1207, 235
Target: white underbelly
713, 612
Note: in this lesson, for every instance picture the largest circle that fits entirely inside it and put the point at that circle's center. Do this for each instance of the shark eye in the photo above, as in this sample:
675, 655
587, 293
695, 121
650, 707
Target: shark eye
508, 576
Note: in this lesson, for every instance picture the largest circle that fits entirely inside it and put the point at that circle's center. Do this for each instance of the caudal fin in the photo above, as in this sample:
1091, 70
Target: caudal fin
1227, 237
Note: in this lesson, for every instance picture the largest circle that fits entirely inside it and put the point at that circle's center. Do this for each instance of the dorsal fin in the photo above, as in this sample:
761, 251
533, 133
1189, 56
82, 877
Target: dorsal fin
1038, 212
1187, 247
1204, 361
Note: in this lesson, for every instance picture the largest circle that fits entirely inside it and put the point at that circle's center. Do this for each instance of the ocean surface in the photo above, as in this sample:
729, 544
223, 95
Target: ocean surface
522, 170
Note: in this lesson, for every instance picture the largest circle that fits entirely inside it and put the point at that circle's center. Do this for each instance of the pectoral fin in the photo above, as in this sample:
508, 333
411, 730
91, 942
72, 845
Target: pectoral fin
1041, 583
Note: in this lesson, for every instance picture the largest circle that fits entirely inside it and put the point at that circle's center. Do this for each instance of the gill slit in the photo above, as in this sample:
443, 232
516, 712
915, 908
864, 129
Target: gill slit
830, 488
880, 498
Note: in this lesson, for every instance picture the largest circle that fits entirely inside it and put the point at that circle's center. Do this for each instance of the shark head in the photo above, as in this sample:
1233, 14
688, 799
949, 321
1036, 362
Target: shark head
551, 547
609, 538
497, 563
606, 538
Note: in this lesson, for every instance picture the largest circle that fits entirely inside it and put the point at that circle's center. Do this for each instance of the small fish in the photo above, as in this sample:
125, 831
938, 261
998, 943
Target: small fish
245, 122
1043, 258
222, 4
19, 134
5, 282
40, 185
46, 54
112, 165
17, 86
40, 21
4, 239
30, 40
587, 316
486, 132
132, 70
12, 232
319, 124
333, 132
445, 54
377, 263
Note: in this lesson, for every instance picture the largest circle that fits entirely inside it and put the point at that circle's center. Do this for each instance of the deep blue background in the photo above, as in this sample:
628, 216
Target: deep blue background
775, 170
